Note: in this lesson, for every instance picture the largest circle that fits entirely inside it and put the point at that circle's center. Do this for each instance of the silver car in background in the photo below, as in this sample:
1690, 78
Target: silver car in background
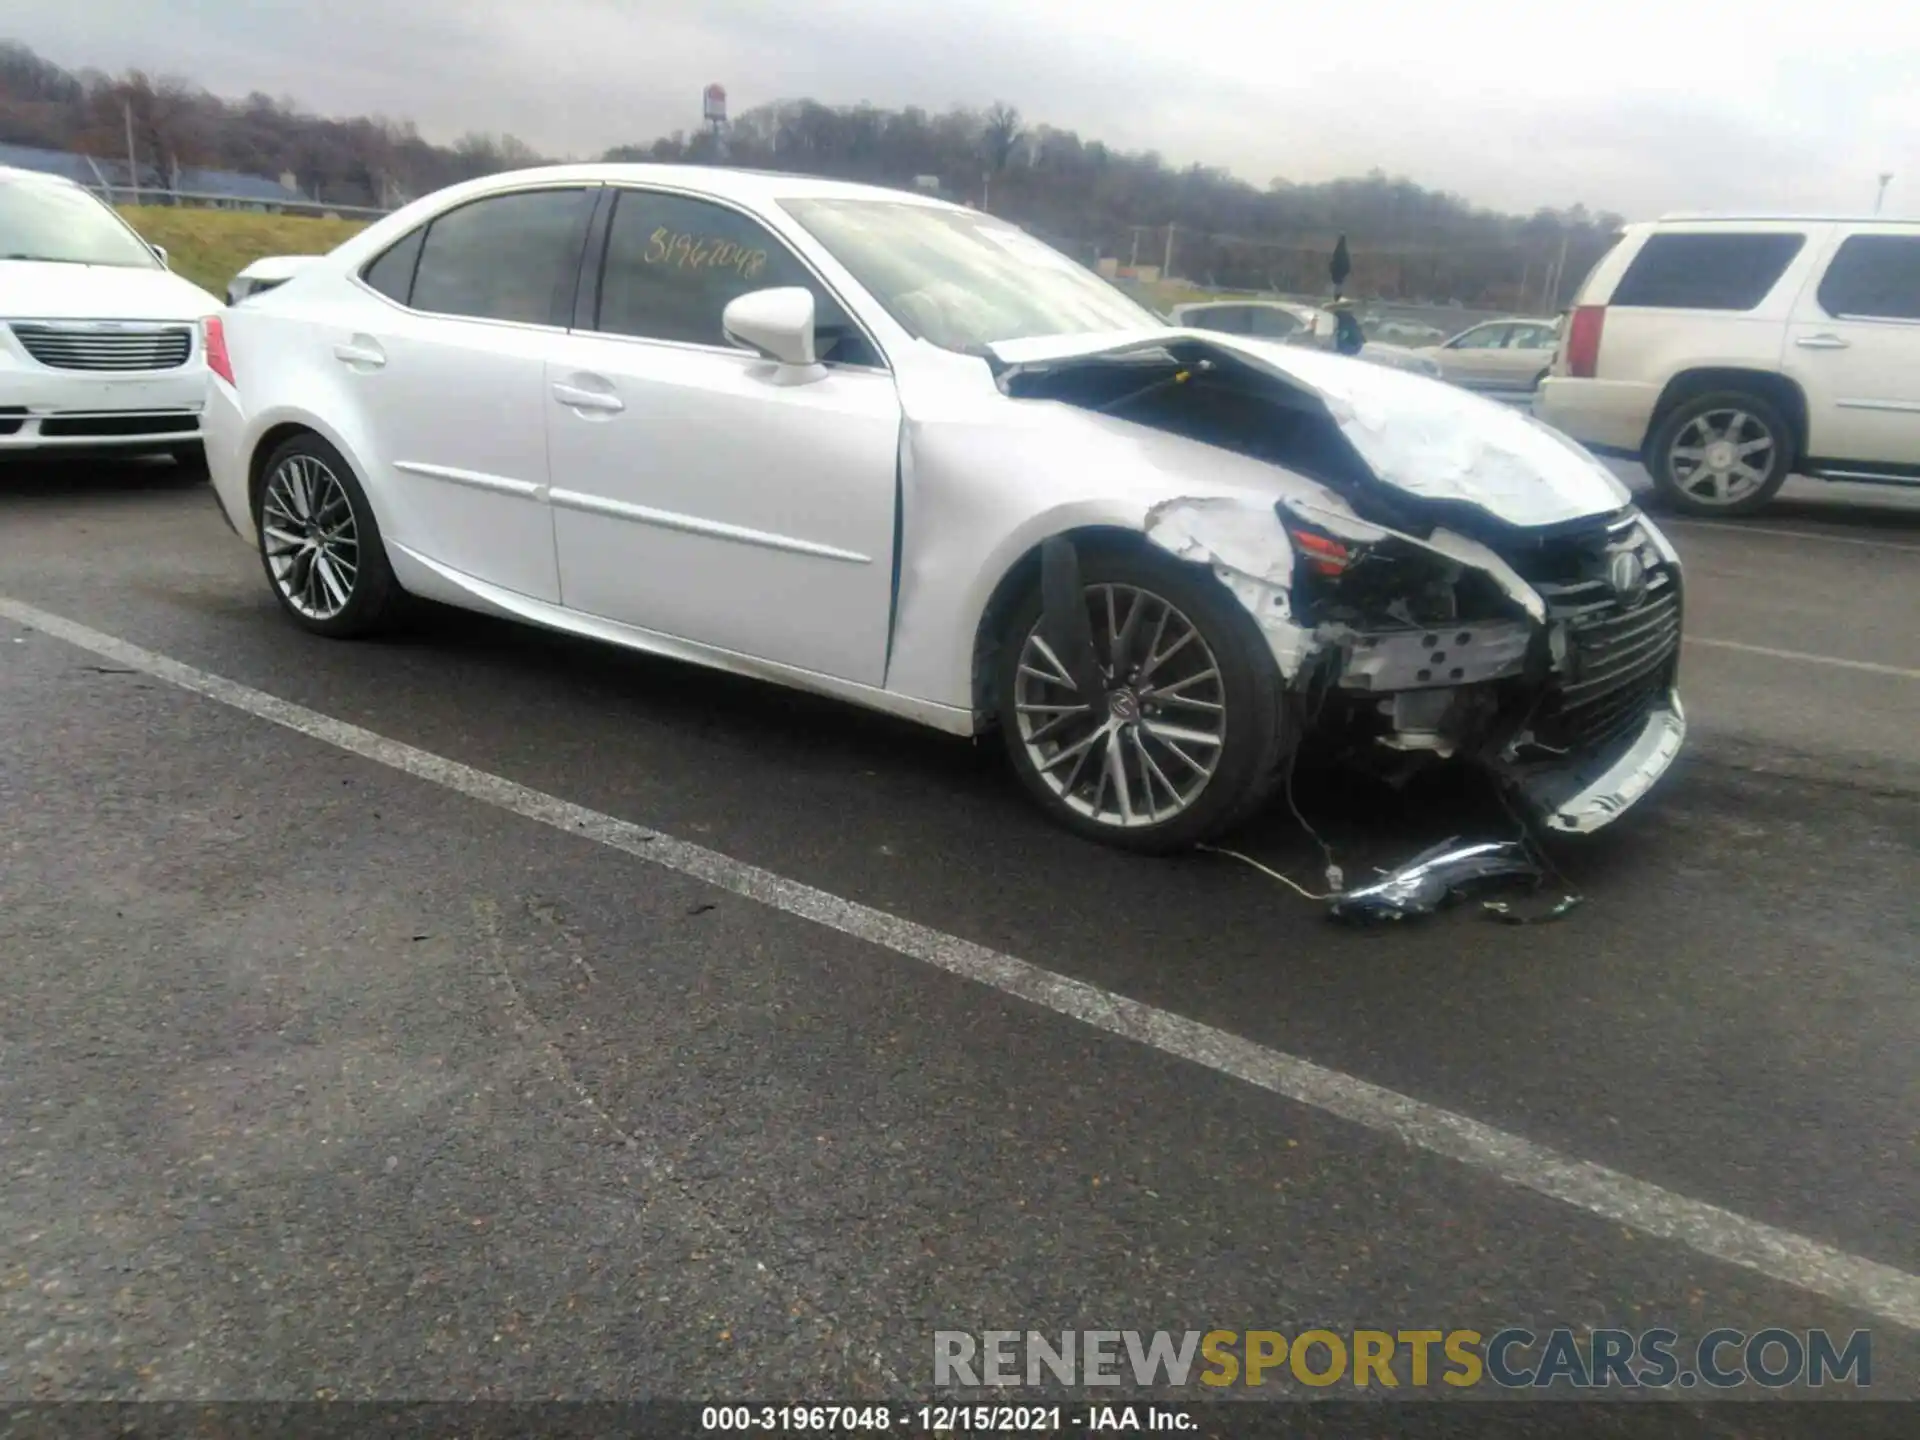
1293, 324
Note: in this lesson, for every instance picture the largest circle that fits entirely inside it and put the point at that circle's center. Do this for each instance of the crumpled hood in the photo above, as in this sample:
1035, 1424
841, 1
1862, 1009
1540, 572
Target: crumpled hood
1421, 436
42, 290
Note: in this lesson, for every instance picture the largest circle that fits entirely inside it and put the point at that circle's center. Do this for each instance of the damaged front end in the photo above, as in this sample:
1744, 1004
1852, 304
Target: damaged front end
1421, 598
1563, 686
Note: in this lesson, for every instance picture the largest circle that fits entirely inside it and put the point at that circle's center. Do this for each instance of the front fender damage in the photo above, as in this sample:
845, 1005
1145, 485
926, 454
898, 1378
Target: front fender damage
1249, 552
1471, 683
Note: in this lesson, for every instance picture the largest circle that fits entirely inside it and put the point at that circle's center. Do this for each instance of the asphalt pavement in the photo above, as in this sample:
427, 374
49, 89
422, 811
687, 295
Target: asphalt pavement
474, 1013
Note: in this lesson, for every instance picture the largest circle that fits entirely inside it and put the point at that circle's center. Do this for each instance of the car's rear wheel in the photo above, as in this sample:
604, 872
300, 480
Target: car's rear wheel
1727, 453
320, 543
1167, 730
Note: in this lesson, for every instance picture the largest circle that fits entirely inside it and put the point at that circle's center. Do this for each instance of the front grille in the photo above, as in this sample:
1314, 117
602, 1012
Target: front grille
12, 417
79, 346
1618, 661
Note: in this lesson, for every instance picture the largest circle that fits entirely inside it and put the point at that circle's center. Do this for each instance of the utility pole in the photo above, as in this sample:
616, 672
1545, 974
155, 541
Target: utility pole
1166, 268
1559, 270
1886, 179
1133, 261
133, 168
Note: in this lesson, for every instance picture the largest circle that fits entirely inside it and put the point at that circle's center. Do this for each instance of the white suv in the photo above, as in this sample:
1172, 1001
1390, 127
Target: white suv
1728, 353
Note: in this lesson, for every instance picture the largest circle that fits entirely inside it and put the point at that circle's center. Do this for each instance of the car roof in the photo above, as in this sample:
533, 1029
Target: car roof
1707, 217
724, 182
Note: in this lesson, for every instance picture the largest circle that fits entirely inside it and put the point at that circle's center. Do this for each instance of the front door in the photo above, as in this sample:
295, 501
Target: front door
1854, 348
1474, 357
698, 490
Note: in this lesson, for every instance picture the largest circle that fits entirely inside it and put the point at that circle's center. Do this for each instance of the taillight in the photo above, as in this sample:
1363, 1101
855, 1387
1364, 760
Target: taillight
213, 343
1583, 341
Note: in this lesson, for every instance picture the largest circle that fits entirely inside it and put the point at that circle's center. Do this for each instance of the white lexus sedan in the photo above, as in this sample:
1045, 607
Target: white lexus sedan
98, 339
892, 450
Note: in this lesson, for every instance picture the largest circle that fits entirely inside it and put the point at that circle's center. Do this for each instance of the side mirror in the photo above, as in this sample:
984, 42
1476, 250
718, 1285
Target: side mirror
160, 252
775, 323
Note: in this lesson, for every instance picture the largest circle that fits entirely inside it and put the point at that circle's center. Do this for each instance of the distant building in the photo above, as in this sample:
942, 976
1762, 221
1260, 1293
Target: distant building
229, 188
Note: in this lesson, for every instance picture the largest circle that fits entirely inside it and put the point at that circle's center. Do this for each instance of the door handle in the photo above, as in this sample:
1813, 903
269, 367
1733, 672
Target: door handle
575, 398
360, 351
1822, 342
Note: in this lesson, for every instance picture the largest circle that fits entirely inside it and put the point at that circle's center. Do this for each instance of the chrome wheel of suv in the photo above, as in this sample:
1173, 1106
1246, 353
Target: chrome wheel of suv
1720, 454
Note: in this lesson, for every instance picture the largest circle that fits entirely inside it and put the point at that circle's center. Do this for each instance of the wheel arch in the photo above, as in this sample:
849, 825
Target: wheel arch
1769, 385
1023, 572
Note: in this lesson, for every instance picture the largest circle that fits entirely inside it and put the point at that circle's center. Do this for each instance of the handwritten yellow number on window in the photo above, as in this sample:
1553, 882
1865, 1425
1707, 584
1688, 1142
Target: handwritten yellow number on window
673, 250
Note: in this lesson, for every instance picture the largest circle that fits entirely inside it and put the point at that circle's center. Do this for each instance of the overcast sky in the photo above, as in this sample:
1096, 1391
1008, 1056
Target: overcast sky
1630, 105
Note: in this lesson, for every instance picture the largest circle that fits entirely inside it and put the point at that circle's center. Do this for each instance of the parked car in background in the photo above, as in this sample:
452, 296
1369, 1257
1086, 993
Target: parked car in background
99, 345
1510, 356
1728, 353
873, 445
263, 274
1291, 324
1392, 330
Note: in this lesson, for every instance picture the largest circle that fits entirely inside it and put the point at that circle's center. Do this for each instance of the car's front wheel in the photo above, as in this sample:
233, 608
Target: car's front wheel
1146, 716
320, 543
1722, 454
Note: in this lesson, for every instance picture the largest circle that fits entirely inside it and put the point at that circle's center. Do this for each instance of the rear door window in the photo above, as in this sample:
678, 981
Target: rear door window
1484, 337
1874, 277
392, 273
508, 257
1718, 271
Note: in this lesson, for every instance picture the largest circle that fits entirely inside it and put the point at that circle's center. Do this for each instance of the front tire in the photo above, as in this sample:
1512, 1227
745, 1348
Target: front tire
320, 544
1184, 739
1726, 453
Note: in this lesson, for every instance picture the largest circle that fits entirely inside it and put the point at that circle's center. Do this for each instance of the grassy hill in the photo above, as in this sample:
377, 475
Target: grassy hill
210, 247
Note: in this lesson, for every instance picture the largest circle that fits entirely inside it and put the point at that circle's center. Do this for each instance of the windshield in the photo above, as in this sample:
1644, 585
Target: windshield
962, 280
60, 222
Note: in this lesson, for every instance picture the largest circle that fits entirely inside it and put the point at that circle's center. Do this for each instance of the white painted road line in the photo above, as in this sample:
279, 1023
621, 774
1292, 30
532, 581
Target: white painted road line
1866, 1285
1870, 666
1729, 528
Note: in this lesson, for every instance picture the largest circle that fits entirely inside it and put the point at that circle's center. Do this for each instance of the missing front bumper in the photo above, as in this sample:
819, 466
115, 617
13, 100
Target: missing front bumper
1588, 793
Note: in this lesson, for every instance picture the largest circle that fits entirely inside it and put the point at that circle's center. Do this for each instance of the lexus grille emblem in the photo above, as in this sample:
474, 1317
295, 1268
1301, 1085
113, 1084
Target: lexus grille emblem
1628, 577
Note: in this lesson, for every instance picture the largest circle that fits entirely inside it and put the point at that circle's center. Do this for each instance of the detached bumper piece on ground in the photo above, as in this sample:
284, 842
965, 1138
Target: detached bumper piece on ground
1436, 878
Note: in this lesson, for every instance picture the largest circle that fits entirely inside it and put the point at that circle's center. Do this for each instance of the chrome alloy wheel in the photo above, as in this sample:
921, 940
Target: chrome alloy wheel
311, 543
1721, 456
1143, 749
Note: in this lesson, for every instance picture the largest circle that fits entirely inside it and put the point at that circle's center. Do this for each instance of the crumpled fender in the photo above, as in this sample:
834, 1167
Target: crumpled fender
1249, 552
1248, 549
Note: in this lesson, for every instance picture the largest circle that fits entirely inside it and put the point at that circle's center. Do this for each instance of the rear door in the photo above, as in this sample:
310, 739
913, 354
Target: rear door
450, 377
1854, 348
1526, 355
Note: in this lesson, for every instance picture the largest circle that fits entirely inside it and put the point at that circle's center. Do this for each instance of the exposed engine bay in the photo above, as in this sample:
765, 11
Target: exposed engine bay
1412, 626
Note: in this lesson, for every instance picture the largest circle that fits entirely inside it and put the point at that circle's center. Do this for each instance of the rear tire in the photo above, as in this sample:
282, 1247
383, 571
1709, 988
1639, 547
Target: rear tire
1149, 740
320, 544
1721, 454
